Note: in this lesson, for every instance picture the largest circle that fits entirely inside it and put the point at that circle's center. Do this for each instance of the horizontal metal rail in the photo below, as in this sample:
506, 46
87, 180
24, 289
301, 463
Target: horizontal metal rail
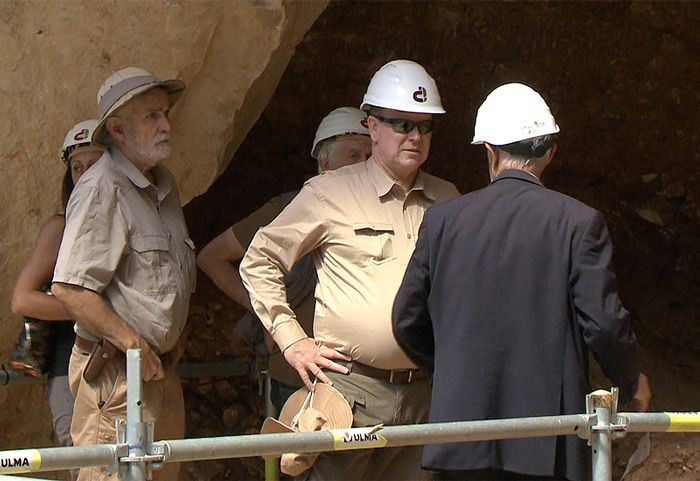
180, 450
362, 438
136, 453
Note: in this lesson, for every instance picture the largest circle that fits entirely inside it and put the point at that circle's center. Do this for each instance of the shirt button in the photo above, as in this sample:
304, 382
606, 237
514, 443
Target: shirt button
408, 235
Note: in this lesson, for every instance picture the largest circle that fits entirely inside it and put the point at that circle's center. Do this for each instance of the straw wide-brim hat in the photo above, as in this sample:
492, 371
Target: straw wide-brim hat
327, 410
124, 85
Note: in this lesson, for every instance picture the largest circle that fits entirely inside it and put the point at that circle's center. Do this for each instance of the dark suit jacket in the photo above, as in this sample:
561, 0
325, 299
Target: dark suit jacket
507, 289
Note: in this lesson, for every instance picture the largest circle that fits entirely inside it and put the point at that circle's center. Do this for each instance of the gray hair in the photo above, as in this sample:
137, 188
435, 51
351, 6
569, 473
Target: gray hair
325, 150
525, 151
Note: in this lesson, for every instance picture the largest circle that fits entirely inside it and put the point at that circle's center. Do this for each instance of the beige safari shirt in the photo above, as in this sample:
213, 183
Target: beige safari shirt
127, 240
362, 230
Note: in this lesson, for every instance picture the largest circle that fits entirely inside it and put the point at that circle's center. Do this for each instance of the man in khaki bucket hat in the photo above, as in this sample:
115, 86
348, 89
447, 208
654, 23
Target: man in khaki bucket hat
126, 268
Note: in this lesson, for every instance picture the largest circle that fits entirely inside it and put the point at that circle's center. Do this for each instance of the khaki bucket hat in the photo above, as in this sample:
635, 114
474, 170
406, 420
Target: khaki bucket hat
124, 85
306, 411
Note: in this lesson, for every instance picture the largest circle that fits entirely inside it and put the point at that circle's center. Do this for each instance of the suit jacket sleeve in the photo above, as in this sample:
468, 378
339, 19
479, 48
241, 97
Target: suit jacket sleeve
411, 321
605, 323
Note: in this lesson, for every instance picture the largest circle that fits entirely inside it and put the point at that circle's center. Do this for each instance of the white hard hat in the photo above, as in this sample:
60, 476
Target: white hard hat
124, 85
511, 113
341, 121
79, 137
403, 85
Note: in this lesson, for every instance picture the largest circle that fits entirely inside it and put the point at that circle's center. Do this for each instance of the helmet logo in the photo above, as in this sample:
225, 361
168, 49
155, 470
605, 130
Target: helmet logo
420, 95
81, 135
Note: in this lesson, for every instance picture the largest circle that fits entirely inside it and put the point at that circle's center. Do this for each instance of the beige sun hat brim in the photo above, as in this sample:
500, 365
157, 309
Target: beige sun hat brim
172, 87
327, 399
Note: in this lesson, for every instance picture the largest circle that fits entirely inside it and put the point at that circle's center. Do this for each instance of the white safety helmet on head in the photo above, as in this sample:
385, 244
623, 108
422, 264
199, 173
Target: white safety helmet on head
79, 138
124, 85
344, 121
512, 113
403, 85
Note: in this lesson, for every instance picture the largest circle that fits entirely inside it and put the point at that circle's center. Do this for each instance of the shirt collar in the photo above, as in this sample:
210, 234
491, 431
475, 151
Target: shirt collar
383, 183
519, 174
126, 167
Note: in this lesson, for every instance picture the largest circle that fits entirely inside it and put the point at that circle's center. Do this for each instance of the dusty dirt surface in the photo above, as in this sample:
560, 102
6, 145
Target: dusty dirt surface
621, 80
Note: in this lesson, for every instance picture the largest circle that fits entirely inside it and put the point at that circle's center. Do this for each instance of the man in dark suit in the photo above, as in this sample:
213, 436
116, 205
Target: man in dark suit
508, 289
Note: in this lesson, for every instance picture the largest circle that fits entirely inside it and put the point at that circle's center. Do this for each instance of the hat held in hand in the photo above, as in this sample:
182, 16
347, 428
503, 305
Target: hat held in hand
319, 410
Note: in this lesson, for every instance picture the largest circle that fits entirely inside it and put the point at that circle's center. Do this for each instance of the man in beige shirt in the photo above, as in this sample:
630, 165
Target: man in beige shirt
126, 267
360, 223
341, 139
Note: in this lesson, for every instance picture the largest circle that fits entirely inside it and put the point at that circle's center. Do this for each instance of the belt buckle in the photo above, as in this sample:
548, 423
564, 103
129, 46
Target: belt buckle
392, 380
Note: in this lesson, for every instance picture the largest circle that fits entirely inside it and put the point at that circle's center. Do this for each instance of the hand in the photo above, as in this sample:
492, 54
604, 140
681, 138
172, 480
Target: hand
641, 399
151, 367
309, 357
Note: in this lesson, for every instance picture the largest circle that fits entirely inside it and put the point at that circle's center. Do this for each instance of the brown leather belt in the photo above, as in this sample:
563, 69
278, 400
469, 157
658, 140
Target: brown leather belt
88, 346
394, 376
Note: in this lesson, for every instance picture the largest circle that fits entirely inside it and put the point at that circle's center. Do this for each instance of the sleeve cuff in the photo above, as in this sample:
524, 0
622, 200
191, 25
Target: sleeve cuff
288, 333
76, 280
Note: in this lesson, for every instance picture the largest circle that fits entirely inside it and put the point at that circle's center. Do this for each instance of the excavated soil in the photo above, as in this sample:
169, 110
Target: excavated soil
621, 79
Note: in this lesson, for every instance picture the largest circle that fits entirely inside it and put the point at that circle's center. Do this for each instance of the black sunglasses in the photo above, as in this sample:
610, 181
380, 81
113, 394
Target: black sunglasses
404, 126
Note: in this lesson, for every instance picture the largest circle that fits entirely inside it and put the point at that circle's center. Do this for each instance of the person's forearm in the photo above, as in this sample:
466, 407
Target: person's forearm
39, 305
226, 277
89, 310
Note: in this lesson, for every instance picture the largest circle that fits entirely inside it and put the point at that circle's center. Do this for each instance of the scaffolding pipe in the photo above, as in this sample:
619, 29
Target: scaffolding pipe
601, 404
52, 459
139, 454
181, 450
136, 431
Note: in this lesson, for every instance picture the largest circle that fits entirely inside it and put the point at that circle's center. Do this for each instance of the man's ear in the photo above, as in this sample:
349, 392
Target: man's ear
492, 154
115, 127
373, 126
323, 163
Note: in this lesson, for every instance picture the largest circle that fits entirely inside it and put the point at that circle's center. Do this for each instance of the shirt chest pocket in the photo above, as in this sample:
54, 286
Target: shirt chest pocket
374, 241
151, 265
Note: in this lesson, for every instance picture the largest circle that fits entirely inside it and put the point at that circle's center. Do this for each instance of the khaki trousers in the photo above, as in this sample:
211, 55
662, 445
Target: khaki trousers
374, 401
100, 403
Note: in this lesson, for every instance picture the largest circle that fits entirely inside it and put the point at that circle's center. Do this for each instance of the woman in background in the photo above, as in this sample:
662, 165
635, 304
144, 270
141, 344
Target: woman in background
31, 297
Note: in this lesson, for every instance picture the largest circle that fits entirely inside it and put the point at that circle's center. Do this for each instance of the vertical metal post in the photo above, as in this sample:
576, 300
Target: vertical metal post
600, 403
136, 430
272, 465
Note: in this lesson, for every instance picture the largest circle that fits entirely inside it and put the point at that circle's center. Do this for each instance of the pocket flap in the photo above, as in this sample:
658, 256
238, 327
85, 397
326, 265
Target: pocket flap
373, 226
354, 398
146, 243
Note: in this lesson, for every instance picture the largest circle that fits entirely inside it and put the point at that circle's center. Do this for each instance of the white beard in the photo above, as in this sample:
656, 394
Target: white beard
150, 155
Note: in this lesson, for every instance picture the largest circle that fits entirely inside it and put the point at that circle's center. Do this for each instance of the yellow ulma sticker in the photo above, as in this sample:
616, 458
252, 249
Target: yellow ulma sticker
684, 422
19, 461
357, 438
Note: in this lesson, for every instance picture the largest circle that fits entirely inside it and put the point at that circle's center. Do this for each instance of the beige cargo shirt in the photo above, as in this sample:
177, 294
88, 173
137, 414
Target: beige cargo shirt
126, 239
362, 230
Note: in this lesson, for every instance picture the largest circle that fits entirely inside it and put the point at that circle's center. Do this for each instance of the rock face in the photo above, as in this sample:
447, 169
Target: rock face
54, 57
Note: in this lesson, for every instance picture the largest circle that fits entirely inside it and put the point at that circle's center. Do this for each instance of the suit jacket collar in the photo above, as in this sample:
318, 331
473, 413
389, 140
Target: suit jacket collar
520, 175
